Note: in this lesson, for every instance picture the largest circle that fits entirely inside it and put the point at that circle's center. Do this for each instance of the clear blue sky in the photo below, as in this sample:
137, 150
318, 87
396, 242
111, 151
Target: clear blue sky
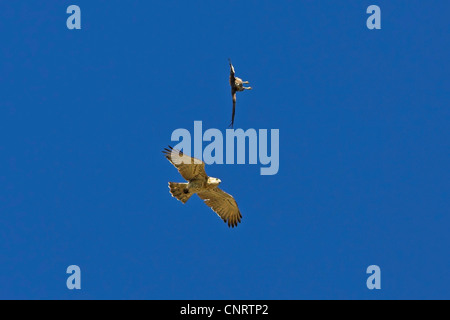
364, 149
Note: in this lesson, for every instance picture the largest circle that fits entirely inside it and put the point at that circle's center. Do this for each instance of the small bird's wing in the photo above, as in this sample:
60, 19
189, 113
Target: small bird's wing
223, 204
233, 94
232, 77
188, 167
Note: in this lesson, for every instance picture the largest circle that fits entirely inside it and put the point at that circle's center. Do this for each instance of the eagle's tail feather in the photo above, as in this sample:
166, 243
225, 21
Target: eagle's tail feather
180, 191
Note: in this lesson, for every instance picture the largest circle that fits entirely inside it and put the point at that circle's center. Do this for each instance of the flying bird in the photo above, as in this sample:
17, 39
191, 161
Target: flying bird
236, 85
193, 170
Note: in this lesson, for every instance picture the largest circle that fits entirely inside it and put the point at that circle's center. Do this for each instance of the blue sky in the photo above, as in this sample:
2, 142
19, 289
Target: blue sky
364, 149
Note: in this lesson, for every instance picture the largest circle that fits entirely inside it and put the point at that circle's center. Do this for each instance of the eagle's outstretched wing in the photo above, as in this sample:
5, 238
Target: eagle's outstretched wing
223, 204
188, 167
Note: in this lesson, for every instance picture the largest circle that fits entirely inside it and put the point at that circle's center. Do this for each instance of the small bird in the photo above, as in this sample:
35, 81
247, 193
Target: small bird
193, 170
236, 85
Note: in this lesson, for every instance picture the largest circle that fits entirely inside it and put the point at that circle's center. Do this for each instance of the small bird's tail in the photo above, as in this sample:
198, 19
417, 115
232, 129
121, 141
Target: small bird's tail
180, 191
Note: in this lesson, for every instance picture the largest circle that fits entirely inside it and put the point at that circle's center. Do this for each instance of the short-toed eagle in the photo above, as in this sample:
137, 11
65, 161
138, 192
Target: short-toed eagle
193, 170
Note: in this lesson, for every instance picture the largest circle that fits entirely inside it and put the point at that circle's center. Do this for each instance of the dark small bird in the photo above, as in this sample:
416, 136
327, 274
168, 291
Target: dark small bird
236, 85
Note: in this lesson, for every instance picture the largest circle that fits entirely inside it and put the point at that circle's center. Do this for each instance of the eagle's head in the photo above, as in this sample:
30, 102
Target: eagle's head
214, 181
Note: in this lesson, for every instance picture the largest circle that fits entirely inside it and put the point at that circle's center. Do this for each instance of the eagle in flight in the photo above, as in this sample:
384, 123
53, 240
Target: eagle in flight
193, 170
236, 85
